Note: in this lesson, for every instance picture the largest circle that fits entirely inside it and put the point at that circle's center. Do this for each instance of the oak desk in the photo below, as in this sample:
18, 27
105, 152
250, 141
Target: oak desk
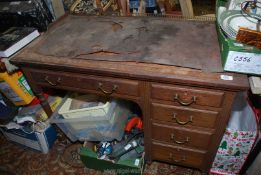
185, 110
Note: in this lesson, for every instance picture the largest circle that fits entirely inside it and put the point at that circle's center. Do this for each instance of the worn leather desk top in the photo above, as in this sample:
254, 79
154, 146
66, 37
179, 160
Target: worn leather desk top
140, 39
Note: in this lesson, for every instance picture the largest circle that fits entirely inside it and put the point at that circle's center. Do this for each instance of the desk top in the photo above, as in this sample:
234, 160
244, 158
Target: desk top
130, 47
191, 44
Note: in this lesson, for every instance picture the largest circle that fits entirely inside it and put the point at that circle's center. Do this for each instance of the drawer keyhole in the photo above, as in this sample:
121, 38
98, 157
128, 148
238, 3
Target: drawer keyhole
193, 100
172, 137
181, 122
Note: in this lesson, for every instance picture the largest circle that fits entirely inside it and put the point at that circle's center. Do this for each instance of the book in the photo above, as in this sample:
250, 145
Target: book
15, 38
56, 8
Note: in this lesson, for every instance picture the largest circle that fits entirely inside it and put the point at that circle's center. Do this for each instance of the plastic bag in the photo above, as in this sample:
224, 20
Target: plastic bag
238, 140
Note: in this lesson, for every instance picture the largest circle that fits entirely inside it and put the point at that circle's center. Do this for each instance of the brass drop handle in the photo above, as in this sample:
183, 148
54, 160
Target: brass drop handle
180, 122
193, 100
171, 157
51, 83
100, 87
172, 137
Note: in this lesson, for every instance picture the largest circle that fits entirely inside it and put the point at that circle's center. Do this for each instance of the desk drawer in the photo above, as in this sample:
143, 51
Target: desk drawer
184, 116
181, 136
187, 96
177, 155
100, 84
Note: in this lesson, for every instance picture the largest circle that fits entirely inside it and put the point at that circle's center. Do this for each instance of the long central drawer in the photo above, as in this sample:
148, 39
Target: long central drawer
106, 85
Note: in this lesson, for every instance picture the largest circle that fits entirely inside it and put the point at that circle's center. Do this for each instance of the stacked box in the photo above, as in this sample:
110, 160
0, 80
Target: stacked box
237, 57
38, 140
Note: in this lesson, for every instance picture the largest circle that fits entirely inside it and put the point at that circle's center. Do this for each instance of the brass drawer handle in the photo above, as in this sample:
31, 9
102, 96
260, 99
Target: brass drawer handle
100, 87
193, 100
180, 122
172, 137
171, 157
58, 81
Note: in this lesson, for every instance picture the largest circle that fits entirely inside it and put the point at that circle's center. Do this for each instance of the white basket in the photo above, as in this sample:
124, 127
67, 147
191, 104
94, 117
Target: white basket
93, 113
100, 130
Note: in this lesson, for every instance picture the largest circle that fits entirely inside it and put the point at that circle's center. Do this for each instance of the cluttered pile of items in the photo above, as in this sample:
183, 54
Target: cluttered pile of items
126, 7
21, 22
111, 130
112, 133
22, 118
19, 106
29, 13
162, 8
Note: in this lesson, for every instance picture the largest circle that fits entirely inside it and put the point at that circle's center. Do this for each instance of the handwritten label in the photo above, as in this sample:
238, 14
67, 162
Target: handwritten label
243, 62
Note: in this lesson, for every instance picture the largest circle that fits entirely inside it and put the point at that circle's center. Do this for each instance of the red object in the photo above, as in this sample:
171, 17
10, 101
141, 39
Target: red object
134, 122
36, 100
19, 73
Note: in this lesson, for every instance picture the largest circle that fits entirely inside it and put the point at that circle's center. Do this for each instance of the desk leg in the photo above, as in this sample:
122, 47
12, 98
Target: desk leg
44, 103
145, 88
38, 92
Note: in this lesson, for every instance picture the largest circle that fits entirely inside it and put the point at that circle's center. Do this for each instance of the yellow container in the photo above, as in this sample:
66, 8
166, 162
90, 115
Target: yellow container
16, 88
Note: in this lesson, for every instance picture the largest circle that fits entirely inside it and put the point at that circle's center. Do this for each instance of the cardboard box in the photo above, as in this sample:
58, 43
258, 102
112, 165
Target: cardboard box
237, 57
130, 167
42, 138
38, 140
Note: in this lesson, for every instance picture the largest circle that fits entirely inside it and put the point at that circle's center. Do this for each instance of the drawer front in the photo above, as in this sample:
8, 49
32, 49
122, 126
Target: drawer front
187, 96
104, 85
184, 116
177, 155
180, 136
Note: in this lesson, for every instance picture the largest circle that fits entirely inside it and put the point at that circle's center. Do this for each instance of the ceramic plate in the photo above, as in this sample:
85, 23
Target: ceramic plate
232, 20
236, 22
221, 10
225, 16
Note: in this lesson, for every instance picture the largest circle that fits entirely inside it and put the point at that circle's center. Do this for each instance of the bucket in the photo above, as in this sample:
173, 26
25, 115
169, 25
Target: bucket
15, 88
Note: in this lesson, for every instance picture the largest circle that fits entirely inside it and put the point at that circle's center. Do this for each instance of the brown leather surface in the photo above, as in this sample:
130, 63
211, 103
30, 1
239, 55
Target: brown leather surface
152, 40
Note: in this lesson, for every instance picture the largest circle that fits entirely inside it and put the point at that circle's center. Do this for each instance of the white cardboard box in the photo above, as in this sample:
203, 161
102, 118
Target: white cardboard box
40, 141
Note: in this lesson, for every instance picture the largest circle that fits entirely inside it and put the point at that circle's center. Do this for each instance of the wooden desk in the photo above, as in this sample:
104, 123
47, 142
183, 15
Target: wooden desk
185, 111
